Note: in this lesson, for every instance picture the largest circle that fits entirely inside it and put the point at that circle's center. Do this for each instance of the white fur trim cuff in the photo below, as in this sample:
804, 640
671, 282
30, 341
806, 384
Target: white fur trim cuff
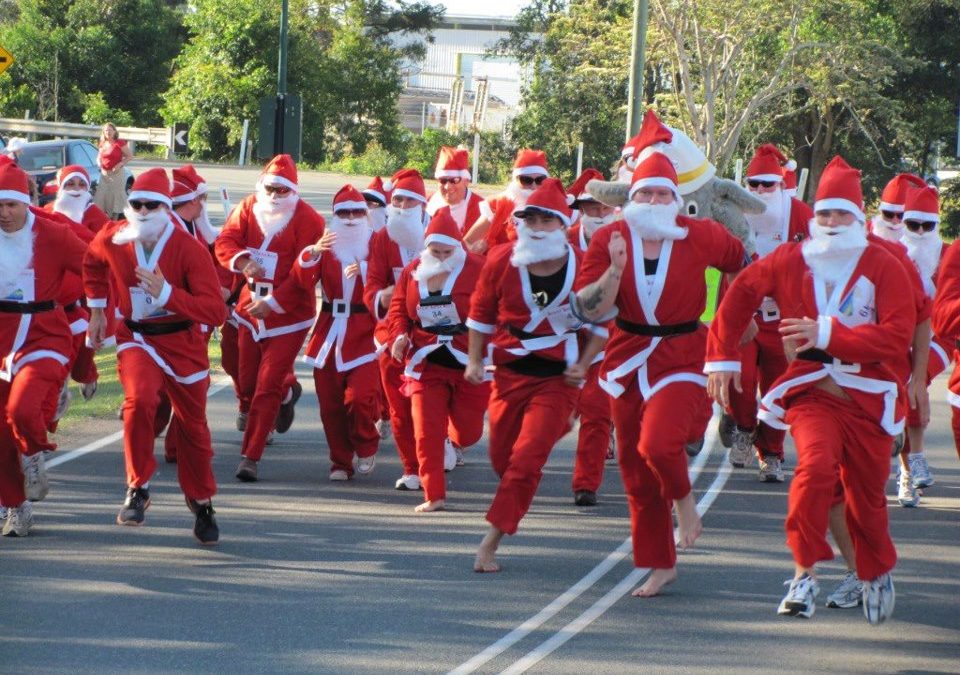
148, 196
484, 328
15, 195
824, 328
840, 204
165, 294
922, 216
307, 259
721, 367
530, 171
97, 303
274, 305
236, 257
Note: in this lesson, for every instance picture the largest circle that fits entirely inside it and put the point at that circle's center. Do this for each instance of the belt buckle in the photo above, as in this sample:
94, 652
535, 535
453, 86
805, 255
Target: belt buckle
444, 339
340, 308
262, 289
771, 315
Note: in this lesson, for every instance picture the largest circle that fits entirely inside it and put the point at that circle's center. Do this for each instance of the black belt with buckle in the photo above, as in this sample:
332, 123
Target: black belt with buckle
340, 307
821, 356
72, 306
8, 307
451, 329
657, 331
164, 328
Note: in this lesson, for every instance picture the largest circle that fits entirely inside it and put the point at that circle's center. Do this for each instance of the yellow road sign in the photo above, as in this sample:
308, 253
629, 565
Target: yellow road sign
6, 59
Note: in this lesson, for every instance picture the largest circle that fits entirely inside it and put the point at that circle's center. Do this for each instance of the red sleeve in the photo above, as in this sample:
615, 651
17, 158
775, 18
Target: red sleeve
726, 251
94, 218
96, 271
308, 233
378, 274
398, 320
200, 300
486, 297
946, 303
232, 239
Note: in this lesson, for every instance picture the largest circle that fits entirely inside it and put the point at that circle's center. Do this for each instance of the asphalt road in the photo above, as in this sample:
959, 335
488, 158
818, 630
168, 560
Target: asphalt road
313, 576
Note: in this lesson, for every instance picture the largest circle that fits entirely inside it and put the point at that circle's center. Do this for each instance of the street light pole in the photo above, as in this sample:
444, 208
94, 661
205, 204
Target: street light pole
635, 94
281, 82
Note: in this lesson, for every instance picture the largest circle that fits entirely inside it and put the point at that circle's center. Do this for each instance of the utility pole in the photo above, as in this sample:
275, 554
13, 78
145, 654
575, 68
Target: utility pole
635, 93
281, 82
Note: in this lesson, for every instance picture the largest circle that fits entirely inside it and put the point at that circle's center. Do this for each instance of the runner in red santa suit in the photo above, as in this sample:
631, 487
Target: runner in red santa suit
846, 318
654, 360
453, 174
166, 288
762, 359
428, 334
341, 349
595, 439
523, 304
35, 342
392, 249
497, 224
888, 223
377, 198
945, 322
262, 240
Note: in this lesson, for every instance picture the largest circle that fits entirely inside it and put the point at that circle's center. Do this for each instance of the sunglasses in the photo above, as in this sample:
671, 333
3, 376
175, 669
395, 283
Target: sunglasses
891, 215
449, 181
350, 213
761, 183
527, 181
917, 225
276, 190
136, 205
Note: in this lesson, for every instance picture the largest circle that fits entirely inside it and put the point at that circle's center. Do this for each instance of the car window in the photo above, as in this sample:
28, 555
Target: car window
75, 154
41, 158
90, 152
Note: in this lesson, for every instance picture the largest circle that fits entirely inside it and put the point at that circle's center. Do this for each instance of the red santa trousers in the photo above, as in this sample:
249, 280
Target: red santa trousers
444, 405
230, 356
401, 418
835, 438
142, 381
349, 409
594, 439
762, 361
265, 377
528, 415
651, 435
23, 424
955, 424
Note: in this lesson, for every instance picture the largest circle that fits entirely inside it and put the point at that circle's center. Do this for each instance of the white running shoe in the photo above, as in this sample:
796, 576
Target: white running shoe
408, 482
771, 470
383, 428
88, 389
460, 459
920, 471
906, 492
879, 599
18, 521
63, 402
338, 475
449, 456
35, 481
742, 449
801, 599
847, 594
365, 464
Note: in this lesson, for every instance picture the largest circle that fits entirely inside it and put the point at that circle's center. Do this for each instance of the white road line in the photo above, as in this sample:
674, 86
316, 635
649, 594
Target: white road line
71, 455
596, 610
579, 588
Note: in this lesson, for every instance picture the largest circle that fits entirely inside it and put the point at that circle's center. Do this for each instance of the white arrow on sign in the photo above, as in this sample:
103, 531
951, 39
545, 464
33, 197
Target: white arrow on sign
180, 138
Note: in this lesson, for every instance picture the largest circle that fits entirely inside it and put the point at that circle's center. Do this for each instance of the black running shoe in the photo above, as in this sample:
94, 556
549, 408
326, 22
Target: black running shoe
205, 528
285, 414
585, 498
133, 511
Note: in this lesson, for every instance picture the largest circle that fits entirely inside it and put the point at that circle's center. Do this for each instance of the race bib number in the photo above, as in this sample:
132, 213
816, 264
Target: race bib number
21, 289
266, 259
437, 316
145, 306
562, 320
859, 305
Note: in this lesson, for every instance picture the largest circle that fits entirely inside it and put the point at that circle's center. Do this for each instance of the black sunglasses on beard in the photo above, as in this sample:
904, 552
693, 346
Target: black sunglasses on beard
527, 181
917, 225
891, 215
761, 183
136, 205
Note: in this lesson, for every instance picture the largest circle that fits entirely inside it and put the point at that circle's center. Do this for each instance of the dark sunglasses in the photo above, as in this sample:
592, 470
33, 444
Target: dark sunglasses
136, 205
350, 213
891, 215
276, 190
761, 183
527, 181
917, 225
449, 181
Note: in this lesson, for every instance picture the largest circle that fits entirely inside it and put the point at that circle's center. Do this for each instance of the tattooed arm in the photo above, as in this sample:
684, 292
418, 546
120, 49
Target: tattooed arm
595, 300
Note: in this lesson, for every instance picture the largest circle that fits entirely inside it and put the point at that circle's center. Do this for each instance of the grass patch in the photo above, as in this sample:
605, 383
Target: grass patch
713, 283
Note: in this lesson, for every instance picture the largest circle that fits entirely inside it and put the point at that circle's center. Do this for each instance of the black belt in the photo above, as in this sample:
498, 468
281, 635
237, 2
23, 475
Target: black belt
9, 307
72, 306
165, 328
452, 329
657, 331
524, 335
820, 356
341, 305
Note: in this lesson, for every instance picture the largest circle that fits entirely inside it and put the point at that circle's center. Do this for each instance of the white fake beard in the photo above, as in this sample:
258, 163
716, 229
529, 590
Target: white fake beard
886, 230
654, 222
203, 225
924, 250
273, 212
771, 220
353, 239
430, 266
72, 204
406, 227
378, 219
830, 255
141, 228
532, 247
624, 174
591, 224
16, 254
518, 194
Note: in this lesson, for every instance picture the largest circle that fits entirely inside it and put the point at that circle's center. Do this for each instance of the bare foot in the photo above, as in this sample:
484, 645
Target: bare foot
428, 506
655, 582
486, 554
688, 521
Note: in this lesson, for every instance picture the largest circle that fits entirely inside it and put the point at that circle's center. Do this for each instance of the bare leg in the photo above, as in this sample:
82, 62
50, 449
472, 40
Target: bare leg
688, 521
841, 535
486, 555
428, 506
799, 571
655, 582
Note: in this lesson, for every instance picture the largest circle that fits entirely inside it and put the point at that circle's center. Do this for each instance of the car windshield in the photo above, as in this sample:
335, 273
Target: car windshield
41, 157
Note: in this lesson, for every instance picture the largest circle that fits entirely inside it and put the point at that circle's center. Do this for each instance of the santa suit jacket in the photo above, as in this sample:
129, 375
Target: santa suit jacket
385, 264
228, 279
465, 218
344, 326
71, 290
191, 293
93, 216
675, 295
865, 325
26, 337
945, 318
294, 307
407, 314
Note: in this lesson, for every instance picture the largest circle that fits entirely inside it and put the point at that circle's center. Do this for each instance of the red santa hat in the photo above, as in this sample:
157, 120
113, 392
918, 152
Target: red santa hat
530, 163
281, 171
14, 184
894, 194
71, 171
151, 186
376, 192
452, 163
578, 189
407, 183
840, 188
652, 131
790, 181
442, 229
629, 150
922, 204
185, 187
769, 164
552, 198
656, 170
348, 198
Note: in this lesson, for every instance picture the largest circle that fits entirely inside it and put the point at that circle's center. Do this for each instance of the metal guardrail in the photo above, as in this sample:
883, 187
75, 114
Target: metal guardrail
150, 135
